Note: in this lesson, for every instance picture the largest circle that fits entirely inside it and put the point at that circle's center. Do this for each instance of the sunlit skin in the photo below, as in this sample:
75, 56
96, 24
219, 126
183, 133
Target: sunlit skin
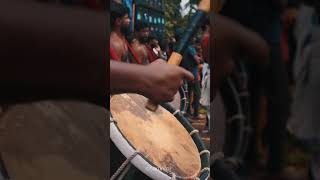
117, 39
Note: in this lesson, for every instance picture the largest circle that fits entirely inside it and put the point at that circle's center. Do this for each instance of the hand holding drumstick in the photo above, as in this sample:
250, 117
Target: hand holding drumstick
176, 57
158, 81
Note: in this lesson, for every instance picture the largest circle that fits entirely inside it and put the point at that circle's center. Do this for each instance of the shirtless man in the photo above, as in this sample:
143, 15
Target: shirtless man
140, 50
142, 34
120, 28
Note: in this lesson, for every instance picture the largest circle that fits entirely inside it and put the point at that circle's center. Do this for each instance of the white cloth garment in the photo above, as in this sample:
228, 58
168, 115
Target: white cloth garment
304, 122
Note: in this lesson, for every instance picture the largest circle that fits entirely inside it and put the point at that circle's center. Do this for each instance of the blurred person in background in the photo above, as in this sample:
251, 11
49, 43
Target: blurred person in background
304, 121
120, 29
155, 46
142, 33
190, 62
264, 17
228, 39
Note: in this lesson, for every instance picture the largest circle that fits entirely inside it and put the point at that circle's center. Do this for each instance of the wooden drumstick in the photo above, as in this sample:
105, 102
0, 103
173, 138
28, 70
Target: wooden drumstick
176, 57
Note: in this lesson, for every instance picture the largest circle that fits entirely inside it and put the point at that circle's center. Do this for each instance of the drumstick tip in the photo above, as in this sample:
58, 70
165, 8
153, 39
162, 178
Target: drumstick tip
151, 106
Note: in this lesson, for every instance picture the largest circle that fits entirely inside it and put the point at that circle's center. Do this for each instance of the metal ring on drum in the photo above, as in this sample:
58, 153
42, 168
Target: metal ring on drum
158, 144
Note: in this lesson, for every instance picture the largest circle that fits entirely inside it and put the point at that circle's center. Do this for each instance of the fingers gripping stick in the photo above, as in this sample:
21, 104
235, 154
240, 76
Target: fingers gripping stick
175, 59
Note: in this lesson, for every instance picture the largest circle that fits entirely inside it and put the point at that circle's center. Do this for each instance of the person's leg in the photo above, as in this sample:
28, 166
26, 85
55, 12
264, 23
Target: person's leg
207, 126
219, 171
189, 97
197, 96
277, 90
190, 92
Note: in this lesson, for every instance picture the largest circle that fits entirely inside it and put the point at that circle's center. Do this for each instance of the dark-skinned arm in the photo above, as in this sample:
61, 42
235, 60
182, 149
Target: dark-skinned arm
158, 81
230, 39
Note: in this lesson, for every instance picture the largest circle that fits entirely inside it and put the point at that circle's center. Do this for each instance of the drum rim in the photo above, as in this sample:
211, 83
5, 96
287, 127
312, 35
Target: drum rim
204, 153
183, 99
139, 159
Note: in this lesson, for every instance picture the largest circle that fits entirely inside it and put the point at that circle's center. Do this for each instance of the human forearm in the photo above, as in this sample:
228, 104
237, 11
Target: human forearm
52, 52
158, 81
232, 39
126, 78
252, 46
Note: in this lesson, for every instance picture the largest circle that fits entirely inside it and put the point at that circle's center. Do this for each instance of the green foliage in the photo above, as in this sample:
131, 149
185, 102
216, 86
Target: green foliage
173, 15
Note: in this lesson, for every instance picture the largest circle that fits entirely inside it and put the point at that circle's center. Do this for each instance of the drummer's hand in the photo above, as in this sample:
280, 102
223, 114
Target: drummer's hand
162, 81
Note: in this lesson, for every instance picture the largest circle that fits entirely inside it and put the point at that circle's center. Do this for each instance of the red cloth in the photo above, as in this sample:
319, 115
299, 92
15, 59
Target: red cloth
205, 41
284, 46
113, 55
135, 56
151, 56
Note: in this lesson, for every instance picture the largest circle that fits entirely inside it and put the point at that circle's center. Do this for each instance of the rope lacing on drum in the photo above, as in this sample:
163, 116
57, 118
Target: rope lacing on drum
176, 112
123, 166
204, 151
205, 169
112, 120
173, 176
193, 132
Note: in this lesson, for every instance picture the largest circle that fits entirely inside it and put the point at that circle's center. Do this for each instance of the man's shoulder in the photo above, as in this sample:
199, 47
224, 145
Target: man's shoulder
115, 39
139, 48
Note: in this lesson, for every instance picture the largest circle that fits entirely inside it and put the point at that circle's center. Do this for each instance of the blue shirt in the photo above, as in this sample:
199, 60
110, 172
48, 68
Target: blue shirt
188, 61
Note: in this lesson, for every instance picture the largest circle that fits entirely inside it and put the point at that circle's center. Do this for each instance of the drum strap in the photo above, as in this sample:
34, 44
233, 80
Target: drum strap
135, 56
123, 166
113, 54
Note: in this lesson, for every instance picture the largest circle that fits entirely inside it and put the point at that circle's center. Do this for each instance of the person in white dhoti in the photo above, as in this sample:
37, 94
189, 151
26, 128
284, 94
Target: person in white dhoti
305, 116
